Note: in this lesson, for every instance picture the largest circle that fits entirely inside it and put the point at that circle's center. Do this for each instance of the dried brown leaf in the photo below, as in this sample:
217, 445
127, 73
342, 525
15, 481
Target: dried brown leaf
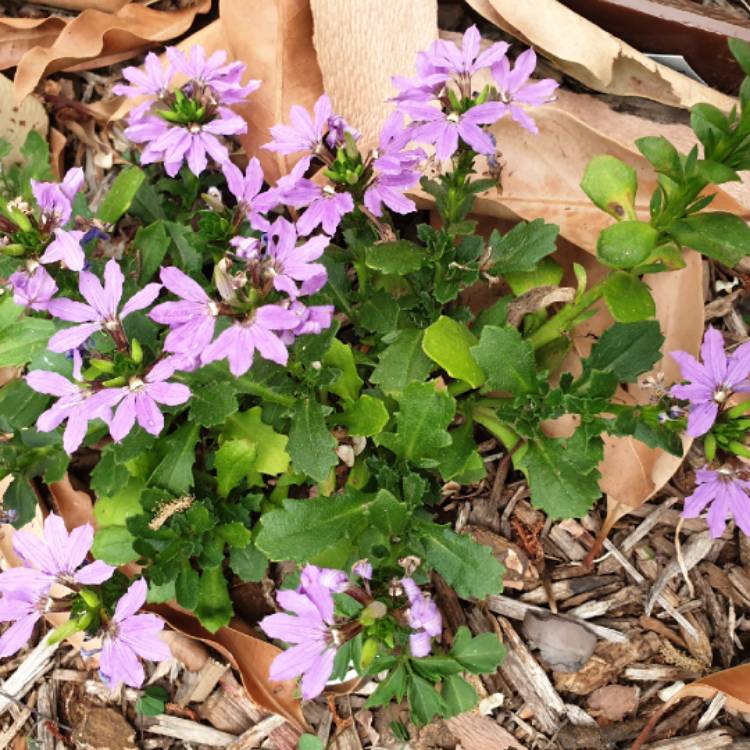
562, 643
18, 118
594, 57
95, 38
537, 299
18, 35
613, 702
108, 6
274, 39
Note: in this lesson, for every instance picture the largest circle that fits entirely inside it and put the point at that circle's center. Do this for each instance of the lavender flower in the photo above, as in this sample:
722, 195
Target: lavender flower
389, 190
55, 199
304, 134
56, 558
309, 628
326, 209
101, 311
140, 399
130, 638
247, 190
291, 263
24, 608
464, 62
152, 81
390, 157
191, 320
77, 403
33, 288
713, 382
514, 87
728, 495
363, 569
443, 130
338, 128
239, 342
310, 320
66, 248
430, 80
423, 617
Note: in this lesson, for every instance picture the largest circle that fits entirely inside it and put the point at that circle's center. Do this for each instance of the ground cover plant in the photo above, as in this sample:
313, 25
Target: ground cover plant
291, 372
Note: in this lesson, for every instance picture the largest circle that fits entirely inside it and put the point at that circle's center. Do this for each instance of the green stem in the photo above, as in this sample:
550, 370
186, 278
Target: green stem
265, 393
559, 323
500, 430
361, 270
457, 387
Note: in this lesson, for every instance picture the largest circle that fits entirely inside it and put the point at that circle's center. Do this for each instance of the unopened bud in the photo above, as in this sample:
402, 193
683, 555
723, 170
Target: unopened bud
369, 652
213, 199
358, 444
223, 280
409, 563
346, 454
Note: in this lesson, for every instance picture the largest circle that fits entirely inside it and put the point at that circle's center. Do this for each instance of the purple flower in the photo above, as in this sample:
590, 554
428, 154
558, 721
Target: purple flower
130, 638
309, 629
310, 320
191, 320
464, 62
246, 248
76, 403
727, 494
140, 399
426, 86
55, 199
24, 608
291, 263
66, 248
443, 130
363, 569
331, 579
153, 81
33, 288
325, 210
713, 382
101, 311
338, 127
514, 87
173, 144
390, 156
247, 190
239, 342
304, 134
389, 190
423, 617
56, 558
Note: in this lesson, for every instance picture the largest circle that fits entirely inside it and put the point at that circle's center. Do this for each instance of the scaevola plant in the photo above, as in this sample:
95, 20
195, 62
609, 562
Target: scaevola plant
249, 373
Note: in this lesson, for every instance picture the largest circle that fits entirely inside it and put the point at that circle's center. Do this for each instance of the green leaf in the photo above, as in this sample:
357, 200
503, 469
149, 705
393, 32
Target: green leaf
234, 460
20, 498
22, 340
470, 568
403, 362
627, 244
379, 313
662, 154
611, 185
114, 509
422, 420
114, 545
547, 273
458, 695
523, 246
460, 461
448, 343
424, 700
398, 257
108, 475
627, 349
20, 405
311, 445
175, 471
721, 236
310, 742
212, 403
507, 359
304, 528
392, 687
628, 298
214, 608
271, 457
187, 586
153, 243
741, 51
366, 417
120, 195
563, 483
348, 384
248, 563
481, 654
36, 161
182, 238
153, 701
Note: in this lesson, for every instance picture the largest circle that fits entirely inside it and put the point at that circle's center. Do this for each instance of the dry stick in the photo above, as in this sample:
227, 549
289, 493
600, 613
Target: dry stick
680, 558
33, 712
638, 578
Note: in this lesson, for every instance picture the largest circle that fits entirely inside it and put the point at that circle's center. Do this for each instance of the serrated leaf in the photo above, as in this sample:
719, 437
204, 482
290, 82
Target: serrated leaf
116, 508
304, 528
248, 563
523, 246
235, 459
448, 343
460, 461
271, 457
348, 384
397, 257
187, 586
113, 545
470, 568
403, 362
214, 608
507, 359
311, 445
175, 471
212, 403
627, 349
421, 421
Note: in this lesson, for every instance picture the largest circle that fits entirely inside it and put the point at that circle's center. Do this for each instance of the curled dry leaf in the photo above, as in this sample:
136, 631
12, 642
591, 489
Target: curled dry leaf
251, 656
383, 39
277, 48
17, 119
537, 299
18, 35
563, 644
75, 506
192, 654
108, 6
734, 683
594, 57
95, 38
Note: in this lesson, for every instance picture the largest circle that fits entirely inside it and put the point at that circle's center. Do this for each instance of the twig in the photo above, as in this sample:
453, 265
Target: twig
681, 559
33, 712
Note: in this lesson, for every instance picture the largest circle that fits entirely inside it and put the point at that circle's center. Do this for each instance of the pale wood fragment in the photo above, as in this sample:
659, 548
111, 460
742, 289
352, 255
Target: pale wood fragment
37, 663
186, 730
256, 734
711, 740
197, 686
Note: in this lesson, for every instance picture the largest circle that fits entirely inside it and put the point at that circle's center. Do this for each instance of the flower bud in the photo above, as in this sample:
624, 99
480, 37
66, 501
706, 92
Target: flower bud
369, 652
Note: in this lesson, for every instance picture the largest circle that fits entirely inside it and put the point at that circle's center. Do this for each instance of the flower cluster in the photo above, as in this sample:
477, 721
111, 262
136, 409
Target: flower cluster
59, 558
